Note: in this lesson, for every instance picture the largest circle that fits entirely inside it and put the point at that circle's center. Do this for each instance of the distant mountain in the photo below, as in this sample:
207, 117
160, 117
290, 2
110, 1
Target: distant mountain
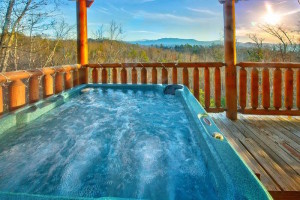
174, 41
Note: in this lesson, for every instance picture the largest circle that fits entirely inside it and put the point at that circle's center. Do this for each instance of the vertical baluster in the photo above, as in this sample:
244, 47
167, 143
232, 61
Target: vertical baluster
34, 90
17, 98
68, 80
207, 87
83, 75
134, 75
1, 100
123, 76
76, 77
254, 88
218, 87
266, 88
144, 75
185, 76
243, 88
154, 75
288, 94
104, 75
59, 79
115, 75
277, 86
174, 75
164, 75
48, 85
196, 83
298, 89
95, 75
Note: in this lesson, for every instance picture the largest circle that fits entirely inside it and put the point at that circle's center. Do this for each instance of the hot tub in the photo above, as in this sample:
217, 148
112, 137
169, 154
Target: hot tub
120, 141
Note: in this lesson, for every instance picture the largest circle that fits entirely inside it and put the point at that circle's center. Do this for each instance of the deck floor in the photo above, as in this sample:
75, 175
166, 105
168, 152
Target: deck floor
270, 145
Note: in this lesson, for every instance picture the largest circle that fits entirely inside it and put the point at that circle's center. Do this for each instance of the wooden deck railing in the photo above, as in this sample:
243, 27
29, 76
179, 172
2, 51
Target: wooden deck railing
19, 96
263, 87
270, 77
145, 68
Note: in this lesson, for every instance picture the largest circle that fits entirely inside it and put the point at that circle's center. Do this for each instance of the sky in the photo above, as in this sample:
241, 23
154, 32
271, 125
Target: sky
190, 19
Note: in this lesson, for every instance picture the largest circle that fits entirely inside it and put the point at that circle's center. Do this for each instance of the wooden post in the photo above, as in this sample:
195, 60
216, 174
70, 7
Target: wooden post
243, 88
154, 75
82, 39
59, 79
134, 76
68, 80
230, 59
17, 98
34, 90
48, 85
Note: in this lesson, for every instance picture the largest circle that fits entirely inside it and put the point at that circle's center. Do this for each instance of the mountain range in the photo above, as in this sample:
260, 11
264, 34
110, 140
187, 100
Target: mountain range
171, 42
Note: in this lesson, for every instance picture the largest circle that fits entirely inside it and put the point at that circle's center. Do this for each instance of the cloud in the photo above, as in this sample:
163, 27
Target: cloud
167, 17
204, 11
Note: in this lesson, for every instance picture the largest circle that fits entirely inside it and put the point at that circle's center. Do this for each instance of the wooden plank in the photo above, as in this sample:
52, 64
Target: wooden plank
266, 140
258, 150
246, 156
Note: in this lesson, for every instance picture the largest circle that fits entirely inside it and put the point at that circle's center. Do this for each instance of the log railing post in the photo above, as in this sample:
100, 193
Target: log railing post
123, 75
218, 87
185, 77
254, 88
230, 59
48, 85
144, 75
134, 75
174, 75
115, 76
243, 88
289, 90
95, 75
104, 75
277, 86
207, 87
196, 83
154, 75
76, 77
164, 75
68, 80
59, 79
17, 96
34, 90
266, 88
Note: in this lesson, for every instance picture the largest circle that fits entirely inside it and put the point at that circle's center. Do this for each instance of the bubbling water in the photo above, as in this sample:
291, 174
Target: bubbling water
108, 142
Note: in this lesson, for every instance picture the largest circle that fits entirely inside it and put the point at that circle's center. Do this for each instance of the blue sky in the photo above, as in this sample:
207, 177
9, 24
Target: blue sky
196, 19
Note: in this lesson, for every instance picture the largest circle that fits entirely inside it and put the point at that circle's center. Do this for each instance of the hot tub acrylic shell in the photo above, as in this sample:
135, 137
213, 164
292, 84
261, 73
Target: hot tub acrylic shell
233, 179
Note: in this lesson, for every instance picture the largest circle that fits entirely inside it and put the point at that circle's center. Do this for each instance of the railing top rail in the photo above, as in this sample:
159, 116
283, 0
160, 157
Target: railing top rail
23, 74
269, 64
157, 64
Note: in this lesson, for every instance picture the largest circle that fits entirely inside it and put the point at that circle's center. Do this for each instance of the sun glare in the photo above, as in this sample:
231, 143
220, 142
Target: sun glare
270, 17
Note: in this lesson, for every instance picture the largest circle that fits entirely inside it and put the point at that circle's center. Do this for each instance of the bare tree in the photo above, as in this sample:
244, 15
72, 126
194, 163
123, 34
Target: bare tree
16, 13
62, 32
256, 54
286, 45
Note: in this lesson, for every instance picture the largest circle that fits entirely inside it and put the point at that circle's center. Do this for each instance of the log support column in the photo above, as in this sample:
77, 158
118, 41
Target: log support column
82, 39
230, 59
